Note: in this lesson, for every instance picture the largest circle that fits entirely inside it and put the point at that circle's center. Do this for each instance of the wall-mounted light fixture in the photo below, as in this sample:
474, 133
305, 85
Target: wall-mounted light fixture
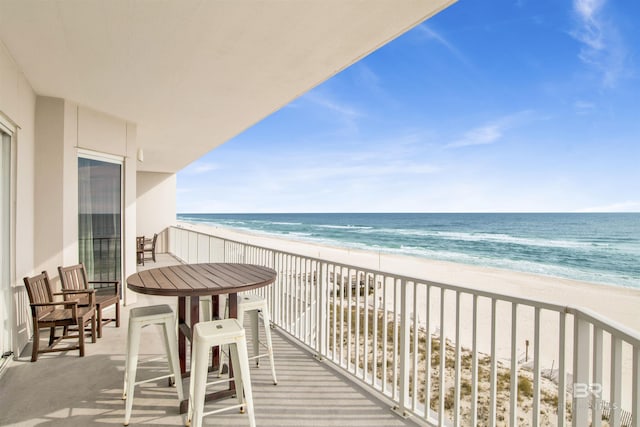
140, 155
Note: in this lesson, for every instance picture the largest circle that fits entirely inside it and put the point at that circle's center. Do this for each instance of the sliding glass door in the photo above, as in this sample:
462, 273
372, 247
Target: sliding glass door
6, 305
100, 219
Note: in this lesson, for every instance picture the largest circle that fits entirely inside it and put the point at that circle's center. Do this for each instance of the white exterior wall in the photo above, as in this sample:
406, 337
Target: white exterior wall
62, 129
156, 205
49, 185
18, 105
129, 259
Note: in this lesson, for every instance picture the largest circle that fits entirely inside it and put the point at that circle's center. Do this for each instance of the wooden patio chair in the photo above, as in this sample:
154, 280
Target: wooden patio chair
140, 249
150, 247
47, 313
107, 293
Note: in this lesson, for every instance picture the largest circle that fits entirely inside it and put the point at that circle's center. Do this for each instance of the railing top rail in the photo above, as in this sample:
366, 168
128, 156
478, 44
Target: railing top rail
611, 326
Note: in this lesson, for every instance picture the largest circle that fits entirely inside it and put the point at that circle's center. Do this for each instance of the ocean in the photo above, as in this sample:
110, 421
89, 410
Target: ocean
593, 247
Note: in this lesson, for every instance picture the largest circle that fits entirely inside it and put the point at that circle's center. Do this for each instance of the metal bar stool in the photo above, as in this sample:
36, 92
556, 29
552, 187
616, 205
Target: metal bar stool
140, 317
217, 333
253, 305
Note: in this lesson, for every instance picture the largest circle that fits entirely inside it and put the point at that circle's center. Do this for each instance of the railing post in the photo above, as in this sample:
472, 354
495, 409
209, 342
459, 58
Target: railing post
635, 391
493, 389
404, 351
581, 391
616, 381
443, 358
474, 363
598, 353
322, 289
562, 374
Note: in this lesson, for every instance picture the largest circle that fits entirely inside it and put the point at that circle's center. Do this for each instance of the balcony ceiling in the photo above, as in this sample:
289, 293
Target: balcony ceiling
193, 74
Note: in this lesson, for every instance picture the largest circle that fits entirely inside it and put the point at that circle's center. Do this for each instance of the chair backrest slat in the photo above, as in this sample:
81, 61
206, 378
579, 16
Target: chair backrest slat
73, 277
39, 291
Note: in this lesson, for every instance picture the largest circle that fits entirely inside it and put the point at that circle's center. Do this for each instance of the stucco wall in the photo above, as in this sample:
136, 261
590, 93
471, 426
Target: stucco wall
63, 129
17, 106
156, 205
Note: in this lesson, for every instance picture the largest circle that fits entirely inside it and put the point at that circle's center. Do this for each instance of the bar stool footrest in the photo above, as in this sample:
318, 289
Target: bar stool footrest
226, 408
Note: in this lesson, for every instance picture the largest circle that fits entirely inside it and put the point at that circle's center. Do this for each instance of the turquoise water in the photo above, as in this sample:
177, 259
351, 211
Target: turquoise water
593, 247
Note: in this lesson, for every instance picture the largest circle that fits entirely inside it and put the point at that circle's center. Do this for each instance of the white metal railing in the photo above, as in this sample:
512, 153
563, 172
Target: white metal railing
388, 330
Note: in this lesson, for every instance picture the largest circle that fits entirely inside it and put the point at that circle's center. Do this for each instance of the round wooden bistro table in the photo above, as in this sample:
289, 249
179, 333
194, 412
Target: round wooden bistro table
194, 281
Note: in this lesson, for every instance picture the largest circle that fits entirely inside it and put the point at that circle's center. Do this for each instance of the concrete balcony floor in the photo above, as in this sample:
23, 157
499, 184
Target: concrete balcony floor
62, 389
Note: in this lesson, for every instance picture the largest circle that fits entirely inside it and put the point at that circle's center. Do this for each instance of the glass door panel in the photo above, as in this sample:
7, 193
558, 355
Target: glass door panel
6, 306
99, 222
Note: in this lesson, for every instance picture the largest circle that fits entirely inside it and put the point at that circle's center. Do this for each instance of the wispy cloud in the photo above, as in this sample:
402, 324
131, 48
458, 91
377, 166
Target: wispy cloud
198, 168
584, 107
346, 115
492, 131
367, 170
333, 105
627, 206
430, 33
602, 46
367, 78
487, 134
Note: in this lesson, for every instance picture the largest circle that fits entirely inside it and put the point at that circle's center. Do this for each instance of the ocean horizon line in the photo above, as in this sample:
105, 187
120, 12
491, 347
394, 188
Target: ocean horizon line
408, 212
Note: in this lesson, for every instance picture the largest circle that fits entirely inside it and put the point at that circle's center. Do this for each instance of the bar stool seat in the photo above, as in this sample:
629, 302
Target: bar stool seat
217, 333
140, 317
253, 305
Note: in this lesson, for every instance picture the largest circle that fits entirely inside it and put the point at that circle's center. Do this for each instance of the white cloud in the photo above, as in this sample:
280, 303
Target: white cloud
584, 107
198, 168
347, 115
432, 34
587, 9
493, 131
487, 134
627, 206
366, 77
602, 49
330, 104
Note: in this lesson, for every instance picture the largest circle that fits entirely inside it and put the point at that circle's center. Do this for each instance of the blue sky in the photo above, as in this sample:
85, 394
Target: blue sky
522, 106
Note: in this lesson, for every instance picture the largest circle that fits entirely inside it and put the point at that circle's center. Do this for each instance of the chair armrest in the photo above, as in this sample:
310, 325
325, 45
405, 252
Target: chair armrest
90, 292
47, 304
67, 304
75, 291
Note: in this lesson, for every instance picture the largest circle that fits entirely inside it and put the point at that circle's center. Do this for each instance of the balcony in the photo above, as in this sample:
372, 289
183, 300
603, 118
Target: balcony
355, 345
63, 389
